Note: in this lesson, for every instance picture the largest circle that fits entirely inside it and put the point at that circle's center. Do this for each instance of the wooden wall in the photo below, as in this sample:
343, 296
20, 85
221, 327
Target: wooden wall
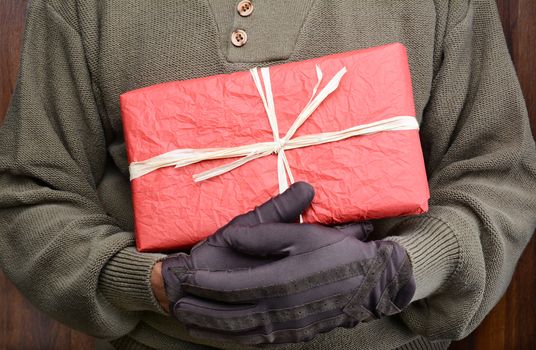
511, 324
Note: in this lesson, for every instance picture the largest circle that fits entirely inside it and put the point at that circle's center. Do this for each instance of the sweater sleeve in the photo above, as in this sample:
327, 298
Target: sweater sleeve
57, 244
481, 163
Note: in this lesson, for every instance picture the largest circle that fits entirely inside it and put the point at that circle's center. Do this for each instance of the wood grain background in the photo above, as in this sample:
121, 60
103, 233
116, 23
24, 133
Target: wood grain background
511, 324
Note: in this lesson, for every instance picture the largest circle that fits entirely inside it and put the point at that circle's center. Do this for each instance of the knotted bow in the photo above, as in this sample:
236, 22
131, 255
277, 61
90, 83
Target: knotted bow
187, 156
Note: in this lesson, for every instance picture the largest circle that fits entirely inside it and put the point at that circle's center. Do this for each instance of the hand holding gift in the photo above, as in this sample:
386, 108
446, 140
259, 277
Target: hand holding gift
263, 279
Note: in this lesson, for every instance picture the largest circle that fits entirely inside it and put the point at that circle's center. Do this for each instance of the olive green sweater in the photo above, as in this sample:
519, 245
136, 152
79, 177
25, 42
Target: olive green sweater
66, 220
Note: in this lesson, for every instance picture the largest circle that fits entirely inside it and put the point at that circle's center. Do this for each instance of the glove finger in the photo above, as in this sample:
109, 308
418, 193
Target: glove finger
274, 314
281, 336
359, 230
209, 314
285, 207
284, 277
279, 239
230, 286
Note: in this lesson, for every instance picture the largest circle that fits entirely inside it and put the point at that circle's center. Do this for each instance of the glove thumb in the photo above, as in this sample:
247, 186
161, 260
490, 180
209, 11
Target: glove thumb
285, 207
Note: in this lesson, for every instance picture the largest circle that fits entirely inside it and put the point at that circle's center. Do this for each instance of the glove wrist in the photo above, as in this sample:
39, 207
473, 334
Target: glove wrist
387, 287
402, 286
173, 267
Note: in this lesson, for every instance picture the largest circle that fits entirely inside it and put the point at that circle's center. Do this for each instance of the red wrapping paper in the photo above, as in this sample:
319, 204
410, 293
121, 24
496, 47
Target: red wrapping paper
364, 177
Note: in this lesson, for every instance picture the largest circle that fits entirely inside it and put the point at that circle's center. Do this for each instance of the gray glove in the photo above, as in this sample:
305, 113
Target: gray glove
262, 280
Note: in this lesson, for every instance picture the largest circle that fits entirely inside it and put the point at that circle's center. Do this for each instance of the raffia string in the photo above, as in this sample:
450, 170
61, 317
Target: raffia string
187, 156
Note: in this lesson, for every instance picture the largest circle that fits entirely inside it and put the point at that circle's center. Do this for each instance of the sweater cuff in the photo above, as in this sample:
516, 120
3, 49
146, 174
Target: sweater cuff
433, 250
126, 280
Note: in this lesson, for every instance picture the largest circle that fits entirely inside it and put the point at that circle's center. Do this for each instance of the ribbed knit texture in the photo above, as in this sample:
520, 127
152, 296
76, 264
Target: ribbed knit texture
66, 222
125, 281
433, 249
420, 343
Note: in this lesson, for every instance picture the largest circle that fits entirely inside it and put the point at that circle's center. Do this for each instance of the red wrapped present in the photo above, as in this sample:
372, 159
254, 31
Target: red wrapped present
204, 150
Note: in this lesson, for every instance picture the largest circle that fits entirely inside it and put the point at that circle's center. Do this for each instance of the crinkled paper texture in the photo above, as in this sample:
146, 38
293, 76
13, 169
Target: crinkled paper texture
364, 177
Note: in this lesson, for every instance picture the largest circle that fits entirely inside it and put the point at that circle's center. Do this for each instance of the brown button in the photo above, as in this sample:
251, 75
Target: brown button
245, 8
239, 38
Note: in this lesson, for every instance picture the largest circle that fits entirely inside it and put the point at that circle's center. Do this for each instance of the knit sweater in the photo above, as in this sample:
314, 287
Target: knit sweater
66, 222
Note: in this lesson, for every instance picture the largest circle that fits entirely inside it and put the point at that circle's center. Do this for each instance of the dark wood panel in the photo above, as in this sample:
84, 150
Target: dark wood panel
511, 324
11, 26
